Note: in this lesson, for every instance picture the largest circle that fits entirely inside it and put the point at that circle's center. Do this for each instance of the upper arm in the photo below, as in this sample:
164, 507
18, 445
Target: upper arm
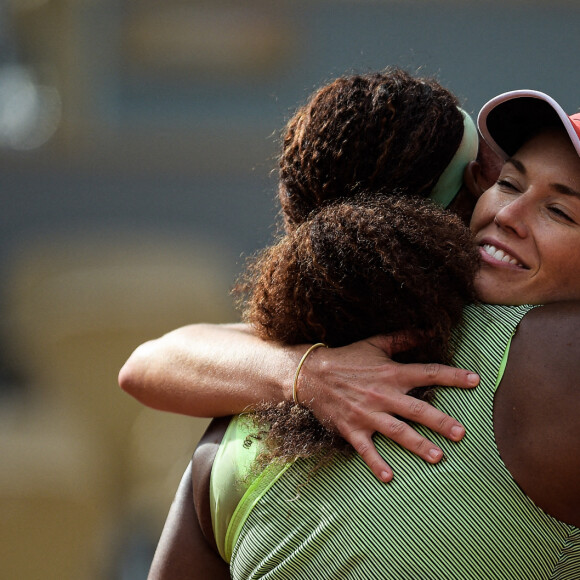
537, 408
183, 552
187, 547
202, 461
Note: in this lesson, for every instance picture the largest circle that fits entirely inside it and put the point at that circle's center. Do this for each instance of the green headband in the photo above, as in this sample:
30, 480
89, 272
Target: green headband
451, 180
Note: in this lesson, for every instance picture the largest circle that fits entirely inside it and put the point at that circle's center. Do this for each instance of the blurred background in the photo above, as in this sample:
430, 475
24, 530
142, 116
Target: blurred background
137, 142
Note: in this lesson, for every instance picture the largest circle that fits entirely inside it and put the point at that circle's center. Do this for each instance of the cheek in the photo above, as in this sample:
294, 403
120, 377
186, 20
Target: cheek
475, 223
483, 211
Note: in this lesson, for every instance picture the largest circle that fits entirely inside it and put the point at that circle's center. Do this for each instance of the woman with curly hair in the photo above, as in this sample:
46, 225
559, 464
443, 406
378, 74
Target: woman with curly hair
505, 502
376, 132
363, 248
371, 264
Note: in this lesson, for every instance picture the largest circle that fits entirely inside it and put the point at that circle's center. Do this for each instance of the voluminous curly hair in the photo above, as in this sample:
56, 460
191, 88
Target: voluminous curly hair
373, 264
373, 132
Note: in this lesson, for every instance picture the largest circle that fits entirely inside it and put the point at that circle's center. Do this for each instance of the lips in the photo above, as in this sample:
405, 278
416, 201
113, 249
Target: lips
501, 255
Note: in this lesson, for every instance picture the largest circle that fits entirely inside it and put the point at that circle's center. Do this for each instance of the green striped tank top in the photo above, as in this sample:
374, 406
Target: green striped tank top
464, 518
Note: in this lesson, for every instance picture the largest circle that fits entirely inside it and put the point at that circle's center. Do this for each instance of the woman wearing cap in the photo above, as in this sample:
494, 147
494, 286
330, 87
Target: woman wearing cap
503, 507
492, 510
354, 136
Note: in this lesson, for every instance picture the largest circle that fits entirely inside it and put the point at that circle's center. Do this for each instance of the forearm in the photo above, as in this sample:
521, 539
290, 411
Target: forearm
207, 370
216, 370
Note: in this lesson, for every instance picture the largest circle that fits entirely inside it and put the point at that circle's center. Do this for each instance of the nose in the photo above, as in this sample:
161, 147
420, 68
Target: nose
513, 217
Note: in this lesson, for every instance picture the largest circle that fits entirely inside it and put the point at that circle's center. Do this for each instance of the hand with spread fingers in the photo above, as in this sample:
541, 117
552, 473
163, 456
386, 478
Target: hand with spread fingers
359, 390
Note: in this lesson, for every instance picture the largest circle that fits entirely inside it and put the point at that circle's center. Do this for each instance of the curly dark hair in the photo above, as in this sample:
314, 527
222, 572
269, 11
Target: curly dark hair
372, 132
373, 264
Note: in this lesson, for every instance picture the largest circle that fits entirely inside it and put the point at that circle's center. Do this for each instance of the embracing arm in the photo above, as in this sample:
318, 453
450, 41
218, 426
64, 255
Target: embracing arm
215, 370
209, 370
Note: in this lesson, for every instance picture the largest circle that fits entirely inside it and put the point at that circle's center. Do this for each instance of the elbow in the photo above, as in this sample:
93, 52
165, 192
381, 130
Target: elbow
127, 377
133, 374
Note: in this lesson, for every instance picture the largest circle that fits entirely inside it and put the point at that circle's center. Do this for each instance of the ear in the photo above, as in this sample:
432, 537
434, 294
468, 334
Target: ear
485, 172
473, 179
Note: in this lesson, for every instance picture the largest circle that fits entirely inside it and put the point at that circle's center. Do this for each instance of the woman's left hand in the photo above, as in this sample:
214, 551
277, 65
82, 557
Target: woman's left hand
359, 390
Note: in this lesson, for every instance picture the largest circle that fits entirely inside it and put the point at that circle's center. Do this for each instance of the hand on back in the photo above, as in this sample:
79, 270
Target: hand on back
359, 390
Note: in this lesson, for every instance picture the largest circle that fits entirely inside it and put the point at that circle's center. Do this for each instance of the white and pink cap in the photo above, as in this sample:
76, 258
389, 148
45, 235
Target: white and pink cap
510, 119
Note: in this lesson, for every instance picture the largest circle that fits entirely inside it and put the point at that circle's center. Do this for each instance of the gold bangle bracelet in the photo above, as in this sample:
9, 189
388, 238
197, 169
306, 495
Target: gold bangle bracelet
295, 385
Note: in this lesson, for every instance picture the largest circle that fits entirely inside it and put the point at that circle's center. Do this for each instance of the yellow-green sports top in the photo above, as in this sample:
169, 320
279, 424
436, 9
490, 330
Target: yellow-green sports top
462, 519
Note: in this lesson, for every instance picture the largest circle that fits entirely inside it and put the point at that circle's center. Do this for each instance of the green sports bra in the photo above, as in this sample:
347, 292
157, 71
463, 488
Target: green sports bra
464, 518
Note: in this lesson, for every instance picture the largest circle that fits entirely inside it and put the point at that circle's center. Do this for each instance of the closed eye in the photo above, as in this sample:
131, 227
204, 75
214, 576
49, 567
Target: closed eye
504, 184
562, 214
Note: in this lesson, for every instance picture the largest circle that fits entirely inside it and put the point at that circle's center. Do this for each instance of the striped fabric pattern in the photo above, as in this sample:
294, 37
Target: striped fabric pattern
462, 519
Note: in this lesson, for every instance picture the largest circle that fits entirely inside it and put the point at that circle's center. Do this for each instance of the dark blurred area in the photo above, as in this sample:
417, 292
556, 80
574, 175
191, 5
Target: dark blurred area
137, 147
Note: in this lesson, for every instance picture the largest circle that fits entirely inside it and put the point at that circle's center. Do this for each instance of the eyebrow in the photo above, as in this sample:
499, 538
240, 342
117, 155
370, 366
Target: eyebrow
517, 164
559, 187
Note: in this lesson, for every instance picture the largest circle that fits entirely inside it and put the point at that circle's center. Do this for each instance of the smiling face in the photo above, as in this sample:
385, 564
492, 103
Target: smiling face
527, 226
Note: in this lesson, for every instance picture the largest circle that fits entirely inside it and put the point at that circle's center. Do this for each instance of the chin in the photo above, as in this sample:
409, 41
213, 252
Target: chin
497, 296
498, 292
491, 295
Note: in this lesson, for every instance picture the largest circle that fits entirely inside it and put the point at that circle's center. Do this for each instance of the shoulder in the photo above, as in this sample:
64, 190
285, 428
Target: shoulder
546, 348
560, 320
537, 408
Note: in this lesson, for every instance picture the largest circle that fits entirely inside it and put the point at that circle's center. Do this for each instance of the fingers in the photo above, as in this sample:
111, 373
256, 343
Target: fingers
421, 375
399, 432
403, 434
409, 376
420, 412
364, 446
423, 413
437, 374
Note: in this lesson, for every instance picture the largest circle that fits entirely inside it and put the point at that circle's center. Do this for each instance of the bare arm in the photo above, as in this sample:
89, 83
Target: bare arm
215, 370
183, 551
209, 370
537, 407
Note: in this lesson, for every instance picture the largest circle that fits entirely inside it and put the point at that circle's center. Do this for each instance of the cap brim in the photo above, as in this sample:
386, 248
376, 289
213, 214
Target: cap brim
510, 119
